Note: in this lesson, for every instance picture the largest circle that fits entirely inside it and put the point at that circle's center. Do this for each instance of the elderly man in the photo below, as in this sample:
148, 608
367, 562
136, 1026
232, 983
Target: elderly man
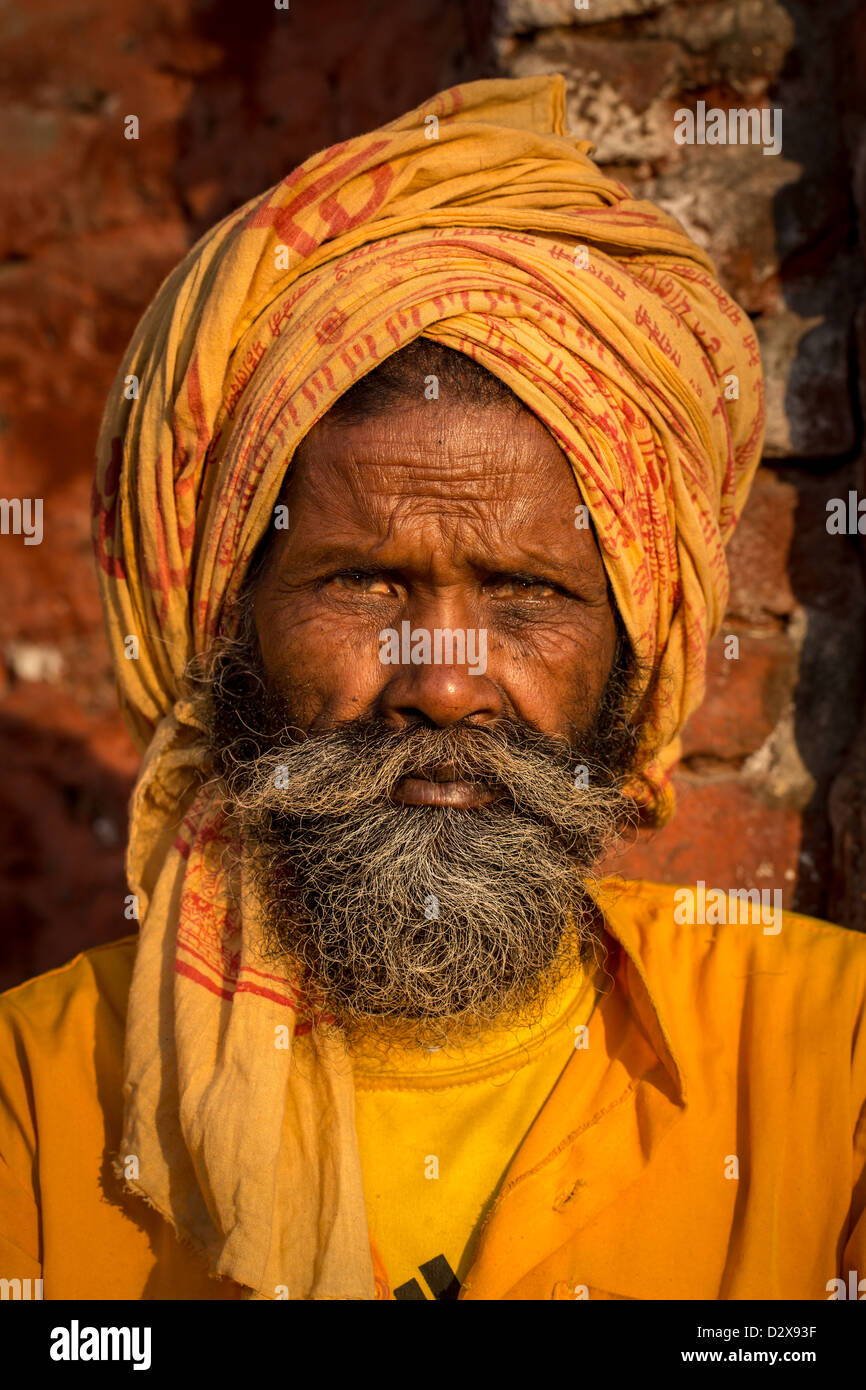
410, 515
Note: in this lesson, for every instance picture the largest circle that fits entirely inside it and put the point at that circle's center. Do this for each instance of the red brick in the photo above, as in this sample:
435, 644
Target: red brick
745, 696
758, 554
723, 834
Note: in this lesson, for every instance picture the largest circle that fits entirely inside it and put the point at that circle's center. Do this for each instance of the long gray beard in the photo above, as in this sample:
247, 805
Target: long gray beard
420, 923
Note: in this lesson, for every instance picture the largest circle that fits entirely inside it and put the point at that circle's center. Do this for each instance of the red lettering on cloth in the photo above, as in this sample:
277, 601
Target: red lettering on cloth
334, 215
330, 327
243, 377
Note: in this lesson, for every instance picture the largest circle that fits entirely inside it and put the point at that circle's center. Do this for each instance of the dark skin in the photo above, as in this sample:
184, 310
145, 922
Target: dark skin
448, 517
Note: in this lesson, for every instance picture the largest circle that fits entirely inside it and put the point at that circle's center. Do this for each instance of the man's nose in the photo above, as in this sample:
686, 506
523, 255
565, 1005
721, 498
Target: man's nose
439, 691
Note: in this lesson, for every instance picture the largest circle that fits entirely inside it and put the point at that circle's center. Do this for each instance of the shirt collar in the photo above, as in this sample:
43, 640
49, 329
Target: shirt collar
632, 920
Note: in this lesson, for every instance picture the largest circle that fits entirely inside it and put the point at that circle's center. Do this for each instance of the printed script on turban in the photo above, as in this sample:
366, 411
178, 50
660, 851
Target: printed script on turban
492, 232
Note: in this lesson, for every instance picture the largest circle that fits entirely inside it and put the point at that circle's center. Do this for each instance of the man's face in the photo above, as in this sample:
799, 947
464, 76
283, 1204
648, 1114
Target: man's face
426, 826
443, 518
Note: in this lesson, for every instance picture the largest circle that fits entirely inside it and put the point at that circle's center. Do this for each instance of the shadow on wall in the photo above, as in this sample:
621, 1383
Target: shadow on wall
278, 86
823, 278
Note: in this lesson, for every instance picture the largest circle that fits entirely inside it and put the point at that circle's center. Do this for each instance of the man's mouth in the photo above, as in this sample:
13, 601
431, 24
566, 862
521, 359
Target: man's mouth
440, 787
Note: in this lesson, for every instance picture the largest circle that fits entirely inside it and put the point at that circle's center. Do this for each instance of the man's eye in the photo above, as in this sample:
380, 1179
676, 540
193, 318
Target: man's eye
526, 588
360, 582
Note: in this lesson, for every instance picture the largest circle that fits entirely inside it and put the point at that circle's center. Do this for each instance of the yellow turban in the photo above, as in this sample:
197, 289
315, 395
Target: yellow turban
476, 221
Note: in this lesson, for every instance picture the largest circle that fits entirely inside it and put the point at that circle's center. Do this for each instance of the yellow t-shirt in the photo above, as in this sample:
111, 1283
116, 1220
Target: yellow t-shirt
709, 1041
437, 1131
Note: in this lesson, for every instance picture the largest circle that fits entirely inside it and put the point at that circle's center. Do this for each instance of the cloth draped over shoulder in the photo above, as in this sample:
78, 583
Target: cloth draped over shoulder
474, 220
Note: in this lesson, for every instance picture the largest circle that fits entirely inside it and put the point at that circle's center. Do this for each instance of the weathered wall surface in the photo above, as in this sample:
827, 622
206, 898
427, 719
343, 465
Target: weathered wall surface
771, 787
229, 98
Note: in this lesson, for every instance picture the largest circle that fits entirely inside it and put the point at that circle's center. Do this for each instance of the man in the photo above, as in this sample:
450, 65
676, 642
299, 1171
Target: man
410, 515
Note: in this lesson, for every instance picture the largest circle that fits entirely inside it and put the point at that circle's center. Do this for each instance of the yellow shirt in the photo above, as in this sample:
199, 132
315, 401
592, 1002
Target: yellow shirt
438, 1130
709, 1143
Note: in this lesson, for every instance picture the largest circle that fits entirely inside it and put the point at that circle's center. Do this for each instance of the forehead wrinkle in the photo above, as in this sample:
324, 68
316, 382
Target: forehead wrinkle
437, 520
438, 450
448, 479
441, 532
469, 533
463, 542
481, 534
368, 478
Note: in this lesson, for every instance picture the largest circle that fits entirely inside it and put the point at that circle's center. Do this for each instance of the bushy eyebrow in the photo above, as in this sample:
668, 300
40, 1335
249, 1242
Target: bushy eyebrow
325, 556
